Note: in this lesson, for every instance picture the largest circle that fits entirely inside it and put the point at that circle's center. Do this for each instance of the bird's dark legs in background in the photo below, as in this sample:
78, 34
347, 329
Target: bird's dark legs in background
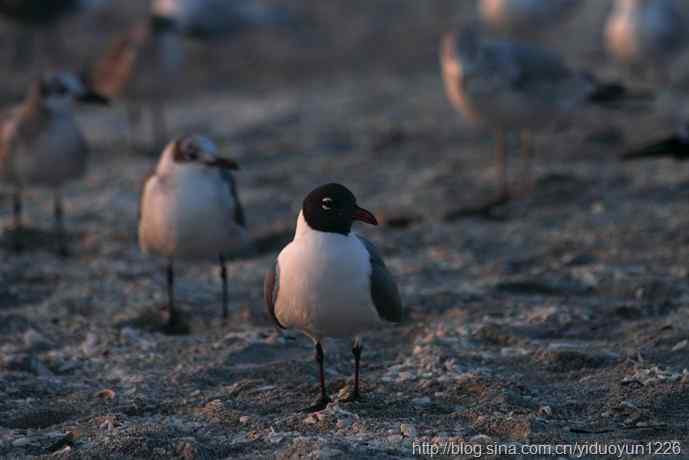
172, 311
223, 277
17, 216
527, 182
501, 166
60, 234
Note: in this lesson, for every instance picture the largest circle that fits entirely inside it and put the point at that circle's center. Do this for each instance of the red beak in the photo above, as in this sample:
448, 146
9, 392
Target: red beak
224, 163
364, 216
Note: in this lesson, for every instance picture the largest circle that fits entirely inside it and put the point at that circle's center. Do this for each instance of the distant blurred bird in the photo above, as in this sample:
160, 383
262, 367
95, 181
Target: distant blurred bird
208, 19
190, 210
41, 144
524, 18
511, 86
646, 34
329, 281
142, 67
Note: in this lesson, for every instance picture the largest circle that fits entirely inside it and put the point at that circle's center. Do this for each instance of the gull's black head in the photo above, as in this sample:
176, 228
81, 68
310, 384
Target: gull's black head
332, 208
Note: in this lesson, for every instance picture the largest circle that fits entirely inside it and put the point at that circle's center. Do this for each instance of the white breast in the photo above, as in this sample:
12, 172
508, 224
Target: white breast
54, 156
189, 215
324, 286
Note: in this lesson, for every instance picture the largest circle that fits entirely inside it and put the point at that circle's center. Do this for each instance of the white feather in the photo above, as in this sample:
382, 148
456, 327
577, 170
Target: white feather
324, 285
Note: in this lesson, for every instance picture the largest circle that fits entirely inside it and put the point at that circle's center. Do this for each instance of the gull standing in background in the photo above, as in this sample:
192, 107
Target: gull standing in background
42, 145
524, 18
330, 282
511, 86
646, 34
190, 210
142, 67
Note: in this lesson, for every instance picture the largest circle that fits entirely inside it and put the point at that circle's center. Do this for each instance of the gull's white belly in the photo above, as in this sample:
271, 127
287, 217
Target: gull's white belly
55, 156
190, 218
324, 286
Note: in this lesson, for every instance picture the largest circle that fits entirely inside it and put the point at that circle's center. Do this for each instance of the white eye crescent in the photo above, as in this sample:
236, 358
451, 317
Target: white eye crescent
327, 204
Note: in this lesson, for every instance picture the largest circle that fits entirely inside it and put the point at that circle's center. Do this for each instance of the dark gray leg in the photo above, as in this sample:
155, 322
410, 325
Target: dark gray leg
324, 399
172, 312
527, 177
356, 351
223, 277
17, 215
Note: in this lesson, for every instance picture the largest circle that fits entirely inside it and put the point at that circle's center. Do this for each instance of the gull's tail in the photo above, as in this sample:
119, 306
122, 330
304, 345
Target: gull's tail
672, 147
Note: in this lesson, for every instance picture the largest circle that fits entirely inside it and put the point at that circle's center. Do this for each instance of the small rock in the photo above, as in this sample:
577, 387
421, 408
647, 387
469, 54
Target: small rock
90, 344
422, 401
405, 376
36, 341
62, 451
107, 425
310, 420
408, 430
545, 411
186, 450
681, 345
244, 419
106, 393
394, 438
344, 423
328, 452
480, 439
21, 442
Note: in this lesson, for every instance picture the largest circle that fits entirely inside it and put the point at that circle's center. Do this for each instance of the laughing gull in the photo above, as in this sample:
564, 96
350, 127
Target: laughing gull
330, 282
190, 210
512, 86
646, 34
525, 17
41, 144
142, 67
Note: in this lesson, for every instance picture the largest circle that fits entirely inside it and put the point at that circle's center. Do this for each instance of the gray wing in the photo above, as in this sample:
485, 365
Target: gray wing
384, 292
239, 217
271, 285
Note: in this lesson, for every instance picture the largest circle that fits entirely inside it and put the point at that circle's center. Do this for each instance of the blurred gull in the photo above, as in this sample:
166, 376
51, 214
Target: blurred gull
523, 18
142, 66
646, 34
190, 210
41, 144
510, 86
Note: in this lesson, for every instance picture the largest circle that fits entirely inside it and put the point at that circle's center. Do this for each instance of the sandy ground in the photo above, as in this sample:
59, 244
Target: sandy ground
560, 319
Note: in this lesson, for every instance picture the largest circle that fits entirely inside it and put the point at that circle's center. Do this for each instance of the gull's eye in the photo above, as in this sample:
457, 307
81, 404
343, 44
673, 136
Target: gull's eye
192, 155
327, 203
